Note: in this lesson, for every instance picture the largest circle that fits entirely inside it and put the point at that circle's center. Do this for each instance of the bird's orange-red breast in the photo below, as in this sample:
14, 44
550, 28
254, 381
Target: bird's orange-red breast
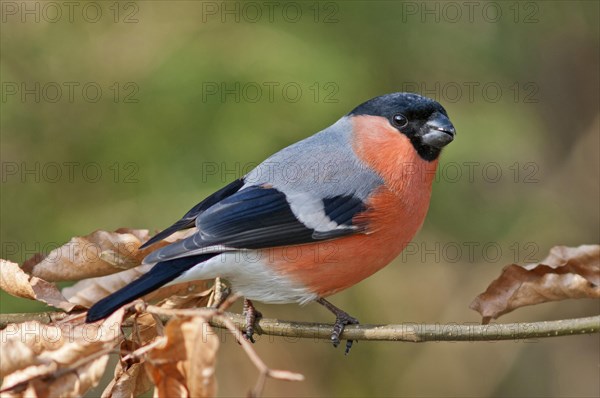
395, 212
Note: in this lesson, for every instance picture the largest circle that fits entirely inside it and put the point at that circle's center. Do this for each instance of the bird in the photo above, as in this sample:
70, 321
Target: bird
314, 218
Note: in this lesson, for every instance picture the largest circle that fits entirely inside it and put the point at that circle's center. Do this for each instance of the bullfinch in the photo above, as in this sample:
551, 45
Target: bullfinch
314, 218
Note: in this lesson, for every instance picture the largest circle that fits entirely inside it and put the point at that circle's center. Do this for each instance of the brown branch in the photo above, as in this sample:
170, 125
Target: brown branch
264, 370
418, 332
411, 332
219, 316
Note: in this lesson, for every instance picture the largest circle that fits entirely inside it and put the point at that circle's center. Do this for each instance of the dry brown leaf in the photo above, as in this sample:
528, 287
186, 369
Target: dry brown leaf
179, 298
567, 272
64, 360
71, 384
23, 342
145, 329
128, 383
97, 254
195, 290
68, 358
16, 282
183, 365
131, 380
89, 291
15, 355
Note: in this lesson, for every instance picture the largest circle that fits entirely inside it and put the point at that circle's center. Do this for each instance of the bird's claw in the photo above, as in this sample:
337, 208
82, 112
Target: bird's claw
341, 321
249, 335
252, 314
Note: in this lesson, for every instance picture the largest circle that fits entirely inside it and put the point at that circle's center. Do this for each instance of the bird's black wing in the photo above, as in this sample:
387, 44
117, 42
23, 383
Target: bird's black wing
261, 217
189, 219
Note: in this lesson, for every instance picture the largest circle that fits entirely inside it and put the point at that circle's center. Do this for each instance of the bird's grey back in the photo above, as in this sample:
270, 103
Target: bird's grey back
323, 165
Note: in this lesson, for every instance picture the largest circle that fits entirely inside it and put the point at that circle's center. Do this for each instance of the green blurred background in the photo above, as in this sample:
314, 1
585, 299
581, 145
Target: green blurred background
178, 101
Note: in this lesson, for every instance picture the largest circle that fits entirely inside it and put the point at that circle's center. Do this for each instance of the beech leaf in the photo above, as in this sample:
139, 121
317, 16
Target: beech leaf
16, 282
183, 364
97, 254
130, 379
65, 359
567, 273
87, 292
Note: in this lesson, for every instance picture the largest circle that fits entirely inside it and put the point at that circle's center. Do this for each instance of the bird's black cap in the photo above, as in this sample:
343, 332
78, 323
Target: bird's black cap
424, 121
410, 104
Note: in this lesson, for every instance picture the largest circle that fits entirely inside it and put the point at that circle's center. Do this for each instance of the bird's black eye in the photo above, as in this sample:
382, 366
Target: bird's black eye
399, 120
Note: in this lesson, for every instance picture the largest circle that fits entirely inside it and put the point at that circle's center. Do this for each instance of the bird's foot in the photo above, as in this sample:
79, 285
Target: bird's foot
342, 319
252, 314
220, 293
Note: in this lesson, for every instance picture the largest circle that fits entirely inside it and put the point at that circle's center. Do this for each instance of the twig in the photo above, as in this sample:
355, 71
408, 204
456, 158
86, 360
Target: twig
419, 332
218, 315
264, 370
60, 372
411, 332
41, 317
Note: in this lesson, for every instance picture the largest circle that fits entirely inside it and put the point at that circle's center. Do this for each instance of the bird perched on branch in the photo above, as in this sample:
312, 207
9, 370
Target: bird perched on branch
314, 218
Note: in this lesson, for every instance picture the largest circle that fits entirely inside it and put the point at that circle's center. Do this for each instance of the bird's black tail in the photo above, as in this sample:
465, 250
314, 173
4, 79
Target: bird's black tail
159, 275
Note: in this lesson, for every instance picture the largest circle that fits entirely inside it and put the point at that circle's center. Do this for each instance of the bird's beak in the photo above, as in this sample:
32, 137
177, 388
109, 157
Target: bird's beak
438, 131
